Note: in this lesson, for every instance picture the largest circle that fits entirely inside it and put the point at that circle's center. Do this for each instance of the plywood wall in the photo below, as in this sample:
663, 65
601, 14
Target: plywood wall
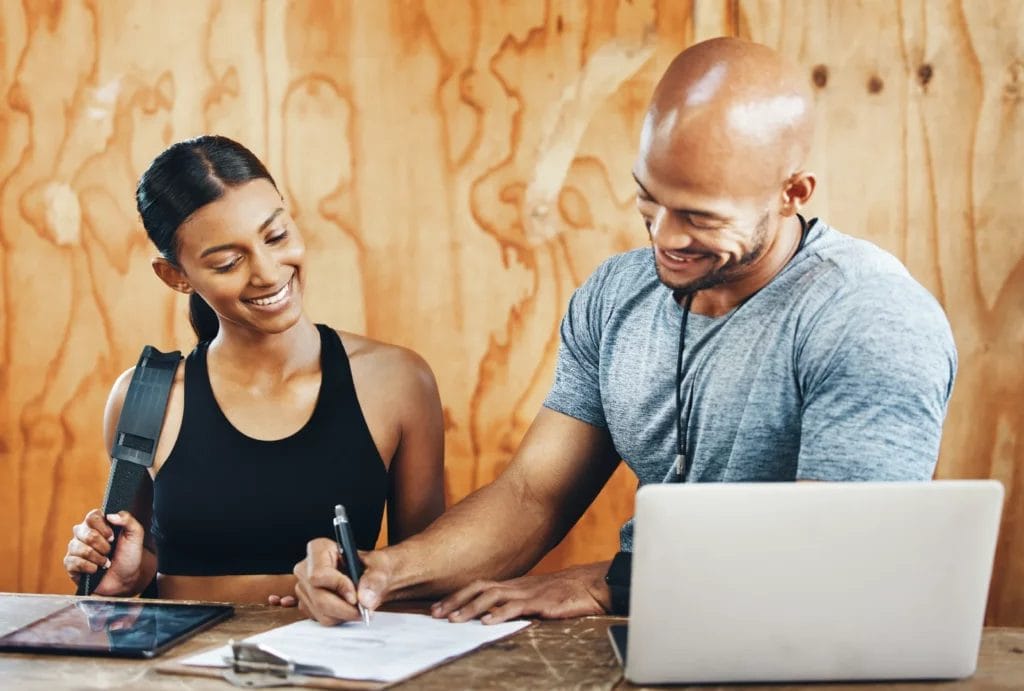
458, 167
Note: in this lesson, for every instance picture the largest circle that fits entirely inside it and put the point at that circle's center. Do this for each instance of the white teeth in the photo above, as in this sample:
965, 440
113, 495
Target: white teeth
679, 257
273, 299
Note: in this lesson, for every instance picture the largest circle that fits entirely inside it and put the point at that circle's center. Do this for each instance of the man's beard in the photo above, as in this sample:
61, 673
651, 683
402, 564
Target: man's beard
723, 274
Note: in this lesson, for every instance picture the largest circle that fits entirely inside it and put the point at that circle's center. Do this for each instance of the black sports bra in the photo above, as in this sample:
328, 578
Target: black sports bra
225, 503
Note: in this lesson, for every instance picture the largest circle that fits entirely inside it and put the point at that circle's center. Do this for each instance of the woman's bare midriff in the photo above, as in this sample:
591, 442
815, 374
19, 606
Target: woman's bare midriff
249, 588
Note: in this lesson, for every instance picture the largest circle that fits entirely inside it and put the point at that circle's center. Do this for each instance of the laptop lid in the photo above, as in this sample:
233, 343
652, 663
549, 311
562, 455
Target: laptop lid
810, 581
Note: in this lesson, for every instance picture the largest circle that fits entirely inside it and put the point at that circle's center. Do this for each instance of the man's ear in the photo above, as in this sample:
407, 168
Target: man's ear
170, 274
797, 192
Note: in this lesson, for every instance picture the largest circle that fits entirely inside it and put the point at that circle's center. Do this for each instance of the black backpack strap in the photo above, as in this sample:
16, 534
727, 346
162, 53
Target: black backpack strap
138, 430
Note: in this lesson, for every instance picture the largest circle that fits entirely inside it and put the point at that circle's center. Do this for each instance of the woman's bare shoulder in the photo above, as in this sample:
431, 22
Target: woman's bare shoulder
118, 392
385, 360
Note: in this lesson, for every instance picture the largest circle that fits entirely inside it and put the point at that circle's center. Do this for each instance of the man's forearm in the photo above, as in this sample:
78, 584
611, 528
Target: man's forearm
504, 528
499, 531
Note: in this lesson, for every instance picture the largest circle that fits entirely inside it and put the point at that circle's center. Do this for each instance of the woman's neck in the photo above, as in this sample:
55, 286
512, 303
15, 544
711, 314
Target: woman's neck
247, 355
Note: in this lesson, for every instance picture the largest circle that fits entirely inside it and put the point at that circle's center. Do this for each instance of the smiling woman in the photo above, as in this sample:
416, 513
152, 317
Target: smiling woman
272, 419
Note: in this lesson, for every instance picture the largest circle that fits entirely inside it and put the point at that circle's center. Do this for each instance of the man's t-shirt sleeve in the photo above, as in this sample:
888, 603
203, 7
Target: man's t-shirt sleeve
876, 371
577, 387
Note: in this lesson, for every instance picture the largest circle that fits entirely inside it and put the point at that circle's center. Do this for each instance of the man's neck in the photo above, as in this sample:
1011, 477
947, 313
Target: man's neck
721, 299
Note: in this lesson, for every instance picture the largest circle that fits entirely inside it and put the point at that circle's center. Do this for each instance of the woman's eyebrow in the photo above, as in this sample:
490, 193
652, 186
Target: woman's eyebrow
220, 248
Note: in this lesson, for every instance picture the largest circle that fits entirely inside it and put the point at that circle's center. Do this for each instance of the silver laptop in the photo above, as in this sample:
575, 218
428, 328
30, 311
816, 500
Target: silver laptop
809, 581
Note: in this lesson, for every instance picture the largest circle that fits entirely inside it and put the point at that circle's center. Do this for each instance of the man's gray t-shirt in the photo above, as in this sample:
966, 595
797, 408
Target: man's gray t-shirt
839, 369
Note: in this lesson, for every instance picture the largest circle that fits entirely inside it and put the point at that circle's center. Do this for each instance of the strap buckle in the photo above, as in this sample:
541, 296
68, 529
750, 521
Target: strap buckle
256, 666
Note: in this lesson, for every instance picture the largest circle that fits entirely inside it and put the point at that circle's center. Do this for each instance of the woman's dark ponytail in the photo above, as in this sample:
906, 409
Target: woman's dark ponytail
181, 180
202, 317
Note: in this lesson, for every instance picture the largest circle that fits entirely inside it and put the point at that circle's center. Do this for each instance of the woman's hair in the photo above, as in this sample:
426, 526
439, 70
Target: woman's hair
181, 180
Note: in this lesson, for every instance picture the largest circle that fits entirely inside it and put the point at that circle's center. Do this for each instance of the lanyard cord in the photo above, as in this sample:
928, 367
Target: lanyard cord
681, 464
682, 432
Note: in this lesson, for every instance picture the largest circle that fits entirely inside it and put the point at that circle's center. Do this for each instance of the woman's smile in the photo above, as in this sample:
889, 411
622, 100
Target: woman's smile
275, 300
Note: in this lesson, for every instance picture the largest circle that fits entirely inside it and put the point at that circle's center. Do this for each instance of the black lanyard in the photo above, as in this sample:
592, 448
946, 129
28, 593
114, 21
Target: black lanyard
681, 464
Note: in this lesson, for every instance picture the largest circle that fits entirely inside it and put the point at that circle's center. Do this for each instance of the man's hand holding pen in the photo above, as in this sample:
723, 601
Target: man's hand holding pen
328, 595
347, 546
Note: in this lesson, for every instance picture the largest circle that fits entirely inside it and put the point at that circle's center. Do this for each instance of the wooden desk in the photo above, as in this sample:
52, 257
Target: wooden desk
550, 655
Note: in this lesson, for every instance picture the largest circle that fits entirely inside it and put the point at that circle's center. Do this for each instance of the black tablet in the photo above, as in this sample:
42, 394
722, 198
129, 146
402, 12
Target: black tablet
129, 628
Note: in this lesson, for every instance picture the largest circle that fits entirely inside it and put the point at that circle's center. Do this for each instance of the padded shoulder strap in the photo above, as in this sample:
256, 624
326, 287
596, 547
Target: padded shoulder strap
138, 430
142, 416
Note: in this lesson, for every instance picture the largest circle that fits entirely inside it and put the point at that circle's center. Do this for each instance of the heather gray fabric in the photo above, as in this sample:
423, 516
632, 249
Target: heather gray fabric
839, 369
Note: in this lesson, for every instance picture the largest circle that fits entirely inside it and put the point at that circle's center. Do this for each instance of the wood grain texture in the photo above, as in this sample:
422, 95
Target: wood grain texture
920, 145
458, 168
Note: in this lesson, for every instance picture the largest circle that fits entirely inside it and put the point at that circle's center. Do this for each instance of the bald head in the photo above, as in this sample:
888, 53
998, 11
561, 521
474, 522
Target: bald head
720, 171
731, 110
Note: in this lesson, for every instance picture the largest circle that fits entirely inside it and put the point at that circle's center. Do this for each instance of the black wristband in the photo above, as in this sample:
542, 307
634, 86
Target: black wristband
618, 579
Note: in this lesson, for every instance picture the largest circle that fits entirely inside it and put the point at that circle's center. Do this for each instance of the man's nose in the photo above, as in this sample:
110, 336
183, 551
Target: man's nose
666, 226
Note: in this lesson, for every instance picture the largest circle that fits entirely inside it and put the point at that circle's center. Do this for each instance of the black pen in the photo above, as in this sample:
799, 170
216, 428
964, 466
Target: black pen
347, 545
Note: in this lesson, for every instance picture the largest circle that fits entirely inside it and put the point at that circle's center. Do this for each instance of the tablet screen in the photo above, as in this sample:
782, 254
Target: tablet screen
122, 629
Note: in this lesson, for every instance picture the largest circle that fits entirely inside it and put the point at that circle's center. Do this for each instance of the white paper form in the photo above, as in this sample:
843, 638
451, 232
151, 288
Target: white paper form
393, 647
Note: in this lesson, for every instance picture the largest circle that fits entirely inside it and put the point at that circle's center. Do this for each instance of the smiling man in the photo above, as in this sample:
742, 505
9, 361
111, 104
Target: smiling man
746, 344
